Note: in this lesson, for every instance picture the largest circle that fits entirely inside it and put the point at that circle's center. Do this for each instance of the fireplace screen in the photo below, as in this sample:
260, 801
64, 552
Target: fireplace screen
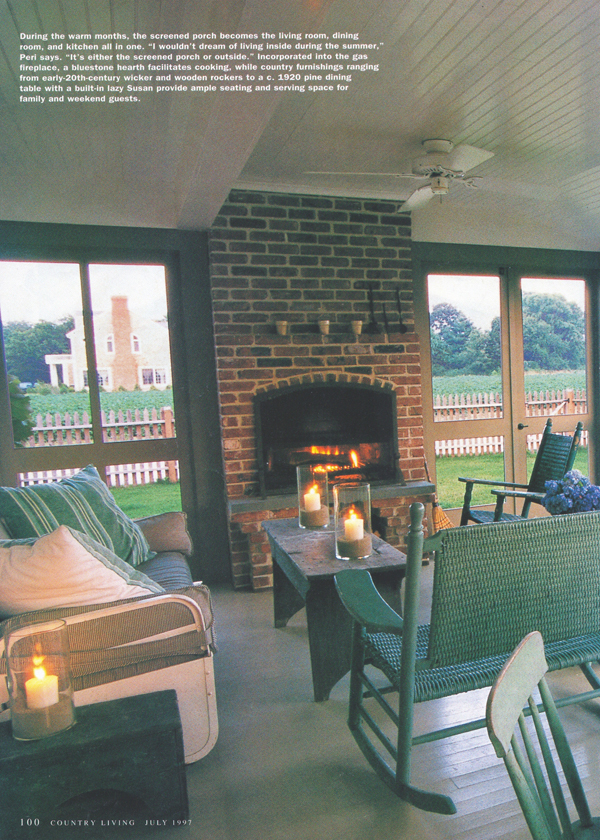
350, 430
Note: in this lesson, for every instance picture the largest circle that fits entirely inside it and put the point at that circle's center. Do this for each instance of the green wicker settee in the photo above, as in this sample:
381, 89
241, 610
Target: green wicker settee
493, 584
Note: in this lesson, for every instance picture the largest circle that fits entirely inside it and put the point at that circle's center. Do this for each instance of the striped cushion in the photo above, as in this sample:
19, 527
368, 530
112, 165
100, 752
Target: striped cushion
82, 502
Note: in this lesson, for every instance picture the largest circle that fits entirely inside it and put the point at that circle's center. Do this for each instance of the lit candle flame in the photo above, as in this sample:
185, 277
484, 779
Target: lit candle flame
38, 669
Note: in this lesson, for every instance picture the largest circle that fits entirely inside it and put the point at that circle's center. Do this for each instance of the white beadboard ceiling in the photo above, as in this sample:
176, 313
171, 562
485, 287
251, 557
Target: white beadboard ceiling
520, 78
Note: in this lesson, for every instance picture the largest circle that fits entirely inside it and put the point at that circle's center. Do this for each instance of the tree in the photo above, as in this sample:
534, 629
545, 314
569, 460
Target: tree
20, 409
493, 346
26, 345
553, 338
482, 354
553, 333
450, 333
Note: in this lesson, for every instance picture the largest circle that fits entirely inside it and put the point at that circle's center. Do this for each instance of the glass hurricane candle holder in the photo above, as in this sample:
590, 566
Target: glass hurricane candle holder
39, 680
313, 496
352, 518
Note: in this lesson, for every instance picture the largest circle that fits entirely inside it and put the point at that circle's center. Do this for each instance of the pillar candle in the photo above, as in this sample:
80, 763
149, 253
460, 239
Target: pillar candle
353, 527
41, 690
312, 499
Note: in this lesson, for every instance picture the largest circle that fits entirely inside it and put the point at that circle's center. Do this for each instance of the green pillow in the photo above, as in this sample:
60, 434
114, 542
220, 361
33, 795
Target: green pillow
82, 502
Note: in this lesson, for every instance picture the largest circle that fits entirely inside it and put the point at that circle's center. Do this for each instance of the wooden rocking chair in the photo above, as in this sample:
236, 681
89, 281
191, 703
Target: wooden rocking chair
510, 699
554, 458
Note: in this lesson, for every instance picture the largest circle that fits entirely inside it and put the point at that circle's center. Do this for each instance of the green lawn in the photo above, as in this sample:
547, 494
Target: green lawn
115, 400
534, 381
491, 466
147, 499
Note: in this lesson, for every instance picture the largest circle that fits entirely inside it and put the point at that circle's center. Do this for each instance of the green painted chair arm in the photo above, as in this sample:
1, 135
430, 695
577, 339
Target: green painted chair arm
491, 482
364, 603
519, 494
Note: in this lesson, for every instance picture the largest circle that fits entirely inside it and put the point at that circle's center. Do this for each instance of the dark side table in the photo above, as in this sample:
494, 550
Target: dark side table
304, 564
132, 747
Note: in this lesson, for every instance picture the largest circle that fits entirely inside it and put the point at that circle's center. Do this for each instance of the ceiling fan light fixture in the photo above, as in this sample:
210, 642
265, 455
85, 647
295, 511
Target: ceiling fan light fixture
435, 161
439, 185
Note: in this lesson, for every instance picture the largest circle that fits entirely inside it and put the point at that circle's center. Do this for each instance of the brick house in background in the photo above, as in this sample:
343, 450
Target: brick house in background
130, 351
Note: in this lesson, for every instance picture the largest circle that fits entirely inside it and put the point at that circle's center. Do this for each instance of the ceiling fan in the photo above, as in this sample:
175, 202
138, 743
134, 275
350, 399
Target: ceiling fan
442, 163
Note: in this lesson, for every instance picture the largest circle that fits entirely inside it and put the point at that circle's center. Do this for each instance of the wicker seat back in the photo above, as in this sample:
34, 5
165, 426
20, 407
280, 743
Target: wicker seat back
555, 458
493, 587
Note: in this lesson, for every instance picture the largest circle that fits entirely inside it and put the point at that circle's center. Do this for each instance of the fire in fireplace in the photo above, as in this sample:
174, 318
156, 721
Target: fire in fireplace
349, 430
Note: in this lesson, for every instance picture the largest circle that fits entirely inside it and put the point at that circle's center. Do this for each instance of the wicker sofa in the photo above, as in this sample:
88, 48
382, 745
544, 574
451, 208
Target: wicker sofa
162, 639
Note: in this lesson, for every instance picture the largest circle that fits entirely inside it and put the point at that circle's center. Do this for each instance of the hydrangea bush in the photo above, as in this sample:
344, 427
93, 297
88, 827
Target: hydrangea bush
574, 493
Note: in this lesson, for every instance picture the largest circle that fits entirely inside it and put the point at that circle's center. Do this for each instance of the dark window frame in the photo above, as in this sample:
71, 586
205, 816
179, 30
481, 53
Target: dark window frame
195, 391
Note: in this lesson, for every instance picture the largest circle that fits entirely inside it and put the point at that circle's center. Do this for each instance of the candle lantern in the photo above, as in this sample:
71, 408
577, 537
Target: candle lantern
39, 680
313, 496
352, 517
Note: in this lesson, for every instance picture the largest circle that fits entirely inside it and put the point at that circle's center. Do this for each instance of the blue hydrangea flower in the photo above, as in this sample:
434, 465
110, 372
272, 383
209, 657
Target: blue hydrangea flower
574, 493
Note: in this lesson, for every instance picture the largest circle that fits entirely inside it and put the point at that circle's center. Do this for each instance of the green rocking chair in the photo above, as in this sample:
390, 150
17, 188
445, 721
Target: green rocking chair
492, 585
526, 749
554, 458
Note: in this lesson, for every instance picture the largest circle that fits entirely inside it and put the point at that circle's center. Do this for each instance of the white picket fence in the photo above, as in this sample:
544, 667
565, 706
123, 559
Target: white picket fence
66, 429
119, 475
469, 446
489, 406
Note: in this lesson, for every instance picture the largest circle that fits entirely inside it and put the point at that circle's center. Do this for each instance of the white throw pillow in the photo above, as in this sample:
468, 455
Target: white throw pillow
64, 569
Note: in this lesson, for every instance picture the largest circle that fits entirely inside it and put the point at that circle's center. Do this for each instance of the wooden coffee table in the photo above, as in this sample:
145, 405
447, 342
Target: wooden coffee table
304, 564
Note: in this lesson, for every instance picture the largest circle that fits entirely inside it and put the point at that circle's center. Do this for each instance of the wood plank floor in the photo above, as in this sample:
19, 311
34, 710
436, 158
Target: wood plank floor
287, 768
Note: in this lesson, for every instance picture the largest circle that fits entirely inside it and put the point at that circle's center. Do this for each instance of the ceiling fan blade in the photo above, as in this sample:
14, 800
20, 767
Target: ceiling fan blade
369, 174
464, 157
419, 198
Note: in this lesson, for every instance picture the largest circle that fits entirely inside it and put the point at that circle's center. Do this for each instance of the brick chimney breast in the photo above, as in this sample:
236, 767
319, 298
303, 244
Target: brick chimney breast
301, 259
125, 366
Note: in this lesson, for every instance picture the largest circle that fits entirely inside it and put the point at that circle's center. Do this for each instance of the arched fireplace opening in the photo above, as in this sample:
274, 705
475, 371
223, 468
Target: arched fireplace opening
350, 428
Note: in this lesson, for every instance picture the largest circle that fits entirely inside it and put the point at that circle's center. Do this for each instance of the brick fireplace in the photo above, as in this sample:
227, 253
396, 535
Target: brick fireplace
302, 260
347, 428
